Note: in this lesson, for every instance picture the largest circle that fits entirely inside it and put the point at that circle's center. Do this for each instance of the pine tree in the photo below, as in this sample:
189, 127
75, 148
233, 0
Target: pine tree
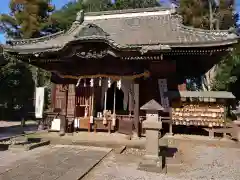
27, 19
132, 4
196, 13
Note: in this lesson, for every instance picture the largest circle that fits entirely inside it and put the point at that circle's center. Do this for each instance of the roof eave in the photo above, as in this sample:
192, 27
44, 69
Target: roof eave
161, 47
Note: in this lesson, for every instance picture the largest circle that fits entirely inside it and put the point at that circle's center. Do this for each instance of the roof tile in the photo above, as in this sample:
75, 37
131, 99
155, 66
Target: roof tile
129, 29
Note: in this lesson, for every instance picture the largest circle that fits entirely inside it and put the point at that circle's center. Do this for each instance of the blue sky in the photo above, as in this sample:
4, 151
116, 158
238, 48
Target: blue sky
59, 3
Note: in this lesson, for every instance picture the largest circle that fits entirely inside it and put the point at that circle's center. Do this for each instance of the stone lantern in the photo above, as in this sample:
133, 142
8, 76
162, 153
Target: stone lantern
152, 124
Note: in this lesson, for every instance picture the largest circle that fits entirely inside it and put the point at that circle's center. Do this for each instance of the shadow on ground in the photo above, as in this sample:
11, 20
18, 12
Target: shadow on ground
14, 130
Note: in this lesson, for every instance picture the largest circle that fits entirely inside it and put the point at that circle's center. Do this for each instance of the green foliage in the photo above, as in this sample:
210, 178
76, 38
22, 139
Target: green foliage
27, 19
196, 13
228, 72
16, 87
126, 4
64, 17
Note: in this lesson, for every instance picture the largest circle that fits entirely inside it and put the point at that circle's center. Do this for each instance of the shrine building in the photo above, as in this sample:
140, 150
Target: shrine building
109, 64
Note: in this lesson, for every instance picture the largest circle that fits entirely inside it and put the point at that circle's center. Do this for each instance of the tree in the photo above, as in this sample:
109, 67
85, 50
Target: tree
64, 17
228, 73
27, 19
208, 14
196, 13
127, 4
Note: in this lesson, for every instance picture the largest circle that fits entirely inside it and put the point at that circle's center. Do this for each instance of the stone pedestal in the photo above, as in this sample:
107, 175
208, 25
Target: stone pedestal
151, 161
170, 129
152, 138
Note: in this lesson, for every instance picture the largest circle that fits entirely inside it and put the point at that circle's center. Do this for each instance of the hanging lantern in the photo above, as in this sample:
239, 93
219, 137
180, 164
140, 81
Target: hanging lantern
119, 84
92, 82
100, 82
109, 83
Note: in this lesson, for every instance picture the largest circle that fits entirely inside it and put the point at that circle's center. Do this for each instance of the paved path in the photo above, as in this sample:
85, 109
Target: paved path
50, 163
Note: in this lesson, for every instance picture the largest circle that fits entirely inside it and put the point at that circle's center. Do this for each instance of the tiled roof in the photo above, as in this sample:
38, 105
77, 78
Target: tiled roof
152, 105
200, 94
129, 28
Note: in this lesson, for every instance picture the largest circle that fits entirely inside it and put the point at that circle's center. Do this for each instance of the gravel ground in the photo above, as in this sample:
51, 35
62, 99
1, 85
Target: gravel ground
194, 162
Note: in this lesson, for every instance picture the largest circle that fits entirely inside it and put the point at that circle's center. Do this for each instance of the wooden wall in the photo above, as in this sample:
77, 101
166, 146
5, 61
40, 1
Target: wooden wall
59, 98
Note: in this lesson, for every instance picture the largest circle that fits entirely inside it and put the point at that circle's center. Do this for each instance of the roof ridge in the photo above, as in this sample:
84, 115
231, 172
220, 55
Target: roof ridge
126, 11
198, 30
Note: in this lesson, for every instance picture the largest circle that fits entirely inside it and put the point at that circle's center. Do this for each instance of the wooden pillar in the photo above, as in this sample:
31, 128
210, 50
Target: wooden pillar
63, 114
131, 101
105, 107
136, 108
170, 123
53, 96
71, 101
71, 106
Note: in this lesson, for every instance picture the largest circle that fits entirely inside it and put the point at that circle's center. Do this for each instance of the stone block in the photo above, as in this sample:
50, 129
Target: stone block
154, 125
152, 165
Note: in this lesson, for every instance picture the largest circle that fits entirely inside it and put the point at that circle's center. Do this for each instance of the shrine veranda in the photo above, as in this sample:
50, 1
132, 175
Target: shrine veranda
108, 64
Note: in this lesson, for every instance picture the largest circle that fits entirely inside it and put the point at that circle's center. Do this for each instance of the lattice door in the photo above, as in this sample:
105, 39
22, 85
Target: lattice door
83, 100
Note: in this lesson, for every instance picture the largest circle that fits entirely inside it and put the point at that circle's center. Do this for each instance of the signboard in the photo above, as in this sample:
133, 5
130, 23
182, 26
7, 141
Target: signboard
39, 103
163, 88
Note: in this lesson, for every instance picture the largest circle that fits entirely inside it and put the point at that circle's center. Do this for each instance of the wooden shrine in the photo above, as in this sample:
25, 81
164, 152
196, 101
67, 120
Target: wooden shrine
109, 64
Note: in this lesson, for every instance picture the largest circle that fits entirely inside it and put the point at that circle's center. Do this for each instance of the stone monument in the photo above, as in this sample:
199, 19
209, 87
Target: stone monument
152, 161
